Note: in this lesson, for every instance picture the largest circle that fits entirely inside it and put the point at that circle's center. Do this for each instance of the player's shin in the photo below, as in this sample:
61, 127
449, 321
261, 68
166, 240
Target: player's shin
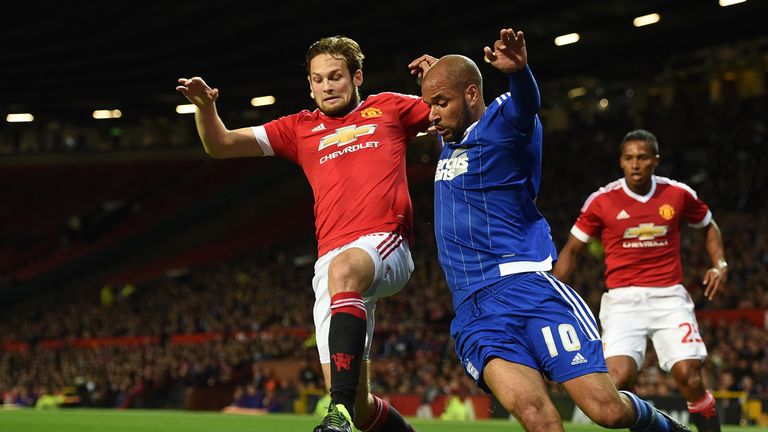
346, 341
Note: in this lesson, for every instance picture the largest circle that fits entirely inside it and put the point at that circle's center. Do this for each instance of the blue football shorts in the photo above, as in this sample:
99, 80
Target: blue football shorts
532, 319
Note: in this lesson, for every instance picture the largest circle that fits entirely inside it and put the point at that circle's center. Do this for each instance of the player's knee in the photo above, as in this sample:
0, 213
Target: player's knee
536, 415
691, 381
538, 422
348, 274
688, 376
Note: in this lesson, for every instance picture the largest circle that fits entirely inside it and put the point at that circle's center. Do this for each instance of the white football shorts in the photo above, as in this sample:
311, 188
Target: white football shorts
629, 316
393, 267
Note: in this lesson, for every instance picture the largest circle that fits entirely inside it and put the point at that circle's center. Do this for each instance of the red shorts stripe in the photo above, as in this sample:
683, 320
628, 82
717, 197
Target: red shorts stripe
392, 249
391, 238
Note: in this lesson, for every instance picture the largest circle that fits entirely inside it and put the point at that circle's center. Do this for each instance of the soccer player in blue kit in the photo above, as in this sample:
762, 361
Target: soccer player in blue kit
515, 323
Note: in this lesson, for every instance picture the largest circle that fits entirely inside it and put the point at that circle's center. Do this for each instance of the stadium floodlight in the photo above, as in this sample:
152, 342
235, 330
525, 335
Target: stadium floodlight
646, 20
262, 101
19, 118
107, 114
567, 39
577, 92
725, 3
186, 109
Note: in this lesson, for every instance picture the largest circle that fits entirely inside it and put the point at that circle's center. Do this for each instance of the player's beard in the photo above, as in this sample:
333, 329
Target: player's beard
341, 111
463, 122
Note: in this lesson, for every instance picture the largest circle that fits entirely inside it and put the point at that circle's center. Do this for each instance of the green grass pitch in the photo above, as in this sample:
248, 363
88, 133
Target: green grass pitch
100, 420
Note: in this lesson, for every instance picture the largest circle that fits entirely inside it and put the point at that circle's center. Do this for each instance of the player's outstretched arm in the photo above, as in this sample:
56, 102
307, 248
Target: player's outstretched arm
568, 258
218, 141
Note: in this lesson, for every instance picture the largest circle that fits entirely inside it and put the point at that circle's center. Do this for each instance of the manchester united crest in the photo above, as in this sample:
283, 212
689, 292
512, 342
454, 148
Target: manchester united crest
667, 211
370, 112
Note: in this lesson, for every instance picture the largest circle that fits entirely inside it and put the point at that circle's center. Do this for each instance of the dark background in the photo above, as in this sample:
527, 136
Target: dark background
64, 59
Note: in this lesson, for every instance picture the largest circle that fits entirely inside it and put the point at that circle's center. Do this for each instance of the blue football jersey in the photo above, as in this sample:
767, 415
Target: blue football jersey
487, 225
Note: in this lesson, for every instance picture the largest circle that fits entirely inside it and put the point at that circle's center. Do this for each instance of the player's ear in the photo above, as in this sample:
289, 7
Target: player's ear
472, 94
311, 92
357, 78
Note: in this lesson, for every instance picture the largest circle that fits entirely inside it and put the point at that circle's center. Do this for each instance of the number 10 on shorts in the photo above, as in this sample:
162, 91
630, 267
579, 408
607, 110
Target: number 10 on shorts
568, 338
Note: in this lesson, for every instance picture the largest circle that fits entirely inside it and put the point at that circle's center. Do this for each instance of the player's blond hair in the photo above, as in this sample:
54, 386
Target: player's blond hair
339, 47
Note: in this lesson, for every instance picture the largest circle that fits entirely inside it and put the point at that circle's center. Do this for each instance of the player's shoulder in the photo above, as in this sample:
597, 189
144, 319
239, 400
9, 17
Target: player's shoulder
296, 117
499, 101
390, 97
306, 114
666, 183
602, 193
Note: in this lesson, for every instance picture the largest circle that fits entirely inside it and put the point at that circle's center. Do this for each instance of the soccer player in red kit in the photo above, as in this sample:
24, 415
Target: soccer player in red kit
638, 219
352, 151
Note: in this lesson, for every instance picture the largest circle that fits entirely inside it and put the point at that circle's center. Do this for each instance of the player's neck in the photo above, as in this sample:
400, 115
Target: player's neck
640, 188
478, 112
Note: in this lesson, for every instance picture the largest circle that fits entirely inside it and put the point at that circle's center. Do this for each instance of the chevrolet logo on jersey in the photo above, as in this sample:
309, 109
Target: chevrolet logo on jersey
645, 231
346, 135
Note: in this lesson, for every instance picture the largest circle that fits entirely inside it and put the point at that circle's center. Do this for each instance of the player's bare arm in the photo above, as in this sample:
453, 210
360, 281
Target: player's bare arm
509, 53
715, 277
218, 141
567, 258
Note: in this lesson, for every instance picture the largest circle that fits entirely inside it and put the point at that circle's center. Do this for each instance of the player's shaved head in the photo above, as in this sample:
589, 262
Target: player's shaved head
457, 69
453, 88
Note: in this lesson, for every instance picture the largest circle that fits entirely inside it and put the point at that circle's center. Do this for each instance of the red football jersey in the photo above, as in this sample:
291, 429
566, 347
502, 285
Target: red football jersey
355, 164
641, 234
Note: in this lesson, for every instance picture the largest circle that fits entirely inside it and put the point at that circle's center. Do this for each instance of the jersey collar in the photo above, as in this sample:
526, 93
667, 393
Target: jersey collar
322, 114
466, 132
642, 198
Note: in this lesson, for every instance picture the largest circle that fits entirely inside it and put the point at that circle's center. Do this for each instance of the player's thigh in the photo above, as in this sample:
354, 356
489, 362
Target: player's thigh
520, 389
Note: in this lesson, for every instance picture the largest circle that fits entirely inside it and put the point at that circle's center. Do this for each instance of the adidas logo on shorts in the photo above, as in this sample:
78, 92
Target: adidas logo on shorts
578, 359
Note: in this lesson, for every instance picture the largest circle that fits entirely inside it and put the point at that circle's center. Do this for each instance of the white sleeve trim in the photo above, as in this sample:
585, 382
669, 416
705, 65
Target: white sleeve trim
579, 234
263, 140
704, 222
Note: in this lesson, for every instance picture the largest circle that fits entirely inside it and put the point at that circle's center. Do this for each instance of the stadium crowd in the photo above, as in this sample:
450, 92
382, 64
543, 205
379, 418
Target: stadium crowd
258, 308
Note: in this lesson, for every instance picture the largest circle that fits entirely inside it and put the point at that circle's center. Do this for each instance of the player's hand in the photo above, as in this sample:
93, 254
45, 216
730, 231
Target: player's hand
714, 279
197, 91
509, 53
421, 65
